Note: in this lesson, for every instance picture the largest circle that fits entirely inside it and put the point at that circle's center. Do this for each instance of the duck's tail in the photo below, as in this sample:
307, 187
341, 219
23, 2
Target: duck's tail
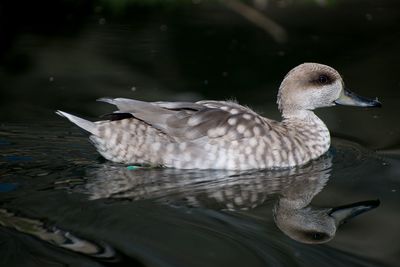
89, 126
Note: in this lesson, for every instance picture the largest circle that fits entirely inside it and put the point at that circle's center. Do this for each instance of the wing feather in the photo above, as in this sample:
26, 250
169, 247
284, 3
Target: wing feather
185, 121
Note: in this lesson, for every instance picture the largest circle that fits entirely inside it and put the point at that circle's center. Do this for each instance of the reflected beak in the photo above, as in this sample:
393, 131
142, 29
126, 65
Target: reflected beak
348, 98
344, 213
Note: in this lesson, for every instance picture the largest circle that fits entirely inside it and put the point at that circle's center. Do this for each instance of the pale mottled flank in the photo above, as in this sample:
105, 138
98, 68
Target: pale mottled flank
221, 134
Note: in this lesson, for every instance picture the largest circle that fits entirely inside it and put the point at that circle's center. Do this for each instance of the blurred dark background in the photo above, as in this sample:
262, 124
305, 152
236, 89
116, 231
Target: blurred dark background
65, 54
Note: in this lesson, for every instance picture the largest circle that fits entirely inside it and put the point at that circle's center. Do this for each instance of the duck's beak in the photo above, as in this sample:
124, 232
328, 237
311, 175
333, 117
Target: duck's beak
344, 213
348, 98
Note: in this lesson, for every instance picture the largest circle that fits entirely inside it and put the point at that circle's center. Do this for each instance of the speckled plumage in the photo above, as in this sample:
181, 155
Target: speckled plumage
221, 134
218, 135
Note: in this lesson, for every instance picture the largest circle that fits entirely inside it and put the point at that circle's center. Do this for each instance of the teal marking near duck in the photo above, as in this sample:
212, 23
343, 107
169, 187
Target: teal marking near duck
132, 168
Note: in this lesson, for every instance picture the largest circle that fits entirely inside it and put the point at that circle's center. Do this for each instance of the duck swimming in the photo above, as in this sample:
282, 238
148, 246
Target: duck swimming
223, 134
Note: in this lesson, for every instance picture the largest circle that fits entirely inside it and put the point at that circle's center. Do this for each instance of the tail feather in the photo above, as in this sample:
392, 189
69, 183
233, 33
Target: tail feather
89, 126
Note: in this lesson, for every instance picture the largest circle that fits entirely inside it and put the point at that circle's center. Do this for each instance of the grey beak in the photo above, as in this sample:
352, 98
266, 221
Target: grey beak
348, 98
344, 213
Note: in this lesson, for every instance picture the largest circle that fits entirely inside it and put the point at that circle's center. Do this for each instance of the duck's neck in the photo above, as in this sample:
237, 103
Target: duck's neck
299, 115
310, 130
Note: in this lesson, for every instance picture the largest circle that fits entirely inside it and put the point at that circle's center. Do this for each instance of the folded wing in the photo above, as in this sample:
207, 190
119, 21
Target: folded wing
185, 121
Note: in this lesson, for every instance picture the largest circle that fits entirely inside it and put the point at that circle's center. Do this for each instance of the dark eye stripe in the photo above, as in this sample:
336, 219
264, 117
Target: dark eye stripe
323, 79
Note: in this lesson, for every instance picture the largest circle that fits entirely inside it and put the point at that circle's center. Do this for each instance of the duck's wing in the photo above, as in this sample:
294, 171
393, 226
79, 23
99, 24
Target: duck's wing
185, 121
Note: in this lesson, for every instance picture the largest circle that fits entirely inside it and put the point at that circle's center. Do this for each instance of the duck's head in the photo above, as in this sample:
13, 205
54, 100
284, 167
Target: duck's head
312, 85
313, 225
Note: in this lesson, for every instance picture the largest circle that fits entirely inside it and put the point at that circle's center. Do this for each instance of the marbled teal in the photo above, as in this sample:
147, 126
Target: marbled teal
223, 134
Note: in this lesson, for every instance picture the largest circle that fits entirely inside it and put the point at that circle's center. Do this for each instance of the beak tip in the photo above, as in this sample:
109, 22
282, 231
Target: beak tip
377, 104
374, 103
375, 203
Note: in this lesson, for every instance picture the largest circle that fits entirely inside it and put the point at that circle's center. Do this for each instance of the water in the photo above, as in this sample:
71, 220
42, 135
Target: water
172, 217
60, 203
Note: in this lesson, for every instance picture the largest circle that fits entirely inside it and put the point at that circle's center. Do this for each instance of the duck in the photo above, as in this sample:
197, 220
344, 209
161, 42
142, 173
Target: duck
210, 134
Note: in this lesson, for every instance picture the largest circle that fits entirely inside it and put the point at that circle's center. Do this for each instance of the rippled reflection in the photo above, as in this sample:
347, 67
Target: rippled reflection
56, 236
293, 190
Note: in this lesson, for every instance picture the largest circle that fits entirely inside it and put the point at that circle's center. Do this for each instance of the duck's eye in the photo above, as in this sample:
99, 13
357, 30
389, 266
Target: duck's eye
323, 79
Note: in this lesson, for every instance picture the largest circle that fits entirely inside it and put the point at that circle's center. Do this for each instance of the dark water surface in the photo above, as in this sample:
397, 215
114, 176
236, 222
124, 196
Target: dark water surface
63, 205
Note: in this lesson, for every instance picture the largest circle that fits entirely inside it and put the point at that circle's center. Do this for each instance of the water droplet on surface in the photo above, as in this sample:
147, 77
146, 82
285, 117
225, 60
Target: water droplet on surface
98, 9
163, 28
281, 53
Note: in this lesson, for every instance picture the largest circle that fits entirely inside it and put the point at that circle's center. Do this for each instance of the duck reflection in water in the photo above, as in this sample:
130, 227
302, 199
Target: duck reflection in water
293, 190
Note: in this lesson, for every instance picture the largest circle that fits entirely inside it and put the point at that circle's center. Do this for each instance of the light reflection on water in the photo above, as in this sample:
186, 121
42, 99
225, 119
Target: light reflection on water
171, 217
